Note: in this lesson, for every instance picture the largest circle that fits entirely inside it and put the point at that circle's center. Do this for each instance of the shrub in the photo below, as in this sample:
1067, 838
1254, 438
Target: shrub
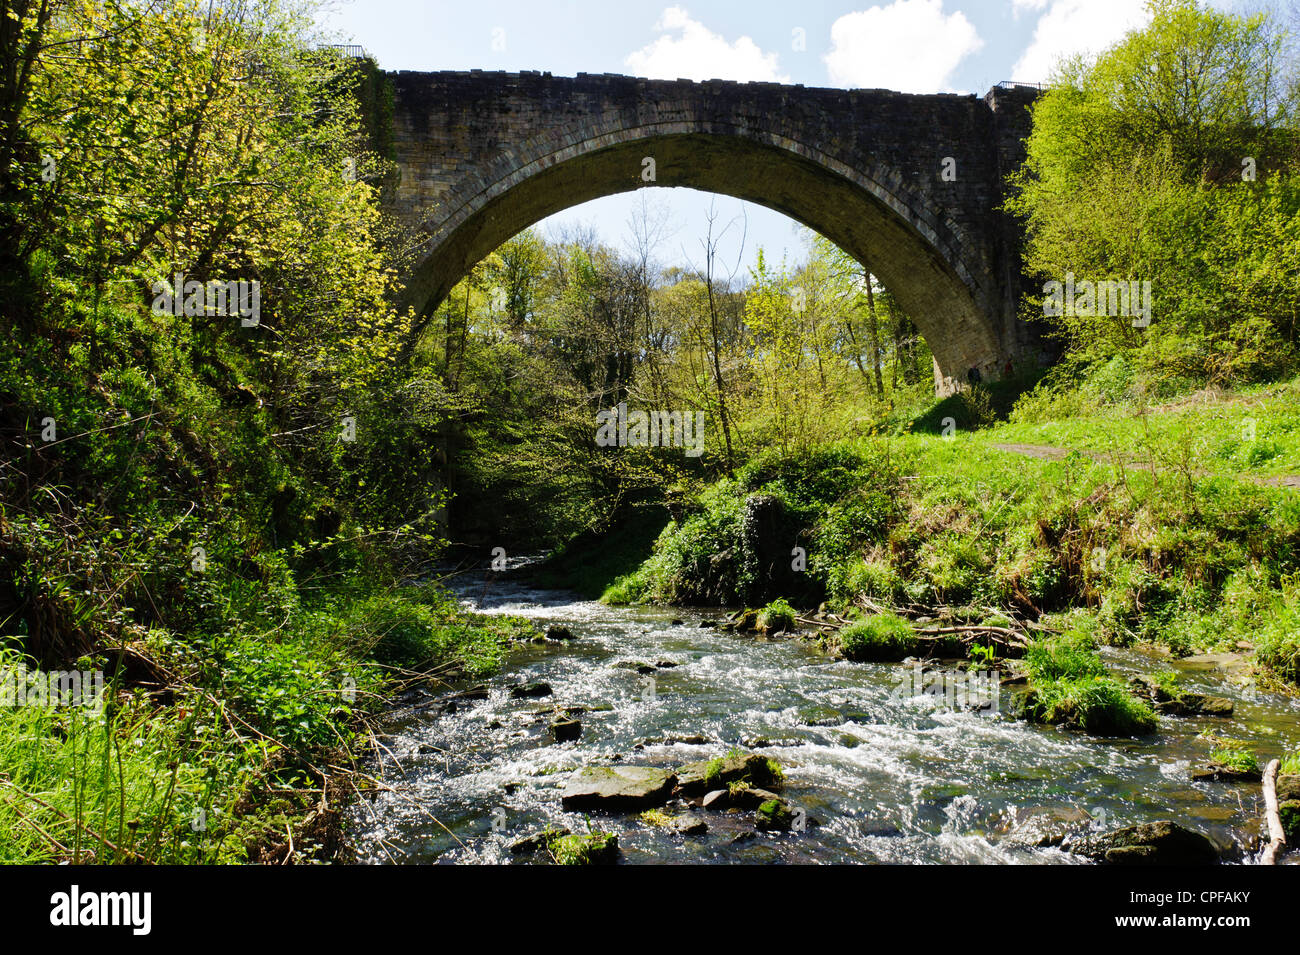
1277, 642
422, 627
777, 616
873, 578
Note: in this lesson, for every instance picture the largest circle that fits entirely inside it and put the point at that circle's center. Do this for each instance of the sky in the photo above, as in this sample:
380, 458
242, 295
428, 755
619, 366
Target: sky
914, 46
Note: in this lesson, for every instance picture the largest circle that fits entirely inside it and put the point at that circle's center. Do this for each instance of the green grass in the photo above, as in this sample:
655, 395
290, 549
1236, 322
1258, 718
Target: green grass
1069, 686
1177, 558
111, 789
228, 764
1237, 757
879, 638
1254, 431
1072, 656
1098, 704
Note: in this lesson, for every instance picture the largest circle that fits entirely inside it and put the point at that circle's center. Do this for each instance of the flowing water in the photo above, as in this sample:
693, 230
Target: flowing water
882, 774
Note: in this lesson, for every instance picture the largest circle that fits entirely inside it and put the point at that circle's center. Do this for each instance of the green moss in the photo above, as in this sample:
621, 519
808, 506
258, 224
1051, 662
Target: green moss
1170, 683
713, 772
774, 815
775, 775
592, 848
1290, 815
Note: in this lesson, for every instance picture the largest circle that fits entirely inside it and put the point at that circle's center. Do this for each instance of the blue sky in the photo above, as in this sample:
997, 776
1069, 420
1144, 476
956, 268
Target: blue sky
922, 46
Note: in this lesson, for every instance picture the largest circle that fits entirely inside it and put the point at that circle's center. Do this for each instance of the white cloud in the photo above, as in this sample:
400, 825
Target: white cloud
910, 45
690, 50
1077, 26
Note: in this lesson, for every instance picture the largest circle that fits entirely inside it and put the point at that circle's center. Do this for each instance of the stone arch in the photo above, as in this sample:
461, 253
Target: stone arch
938, 273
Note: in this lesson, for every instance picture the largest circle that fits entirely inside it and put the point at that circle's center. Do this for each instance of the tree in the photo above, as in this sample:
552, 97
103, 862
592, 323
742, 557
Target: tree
1145, 165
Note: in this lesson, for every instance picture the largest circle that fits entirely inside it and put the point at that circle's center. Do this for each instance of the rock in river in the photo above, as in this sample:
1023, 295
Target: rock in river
1044, 826
1152, 843
565, 730
699, 778
1215, 772
525, 690
774, 815
620, 788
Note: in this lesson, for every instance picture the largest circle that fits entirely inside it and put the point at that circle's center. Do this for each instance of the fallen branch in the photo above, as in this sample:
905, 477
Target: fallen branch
1277, 835
1010, 637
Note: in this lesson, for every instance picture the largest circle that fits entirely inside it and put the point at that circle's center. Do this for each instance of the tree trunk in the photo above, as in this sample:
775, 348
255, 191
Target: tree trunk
875, 335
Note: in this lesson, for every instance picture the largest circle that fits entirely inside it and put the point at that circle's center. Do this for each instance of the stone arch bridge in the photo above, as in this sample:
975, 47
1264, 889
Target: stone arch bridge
482, 156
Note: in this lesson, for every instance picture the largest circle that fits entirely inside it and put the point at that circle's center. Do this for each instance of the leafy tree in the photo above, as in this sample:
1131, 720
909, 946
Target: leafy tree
1171, 159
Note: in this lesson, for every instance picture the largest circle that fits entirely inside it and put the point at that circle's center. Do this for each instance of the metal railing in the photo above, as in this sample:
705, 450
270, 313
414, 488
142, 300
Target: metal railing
347, 49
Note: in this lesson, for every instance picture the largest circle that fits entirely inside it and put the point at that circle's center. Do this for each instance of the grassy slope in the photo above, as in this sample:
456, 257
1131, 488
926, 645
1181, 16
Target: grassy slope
1252, 432
1177, 554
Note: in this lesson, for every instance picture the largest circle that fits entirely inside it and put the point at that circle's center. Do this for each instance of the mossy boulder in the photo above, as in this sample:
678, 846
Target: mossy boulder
1169, 699
537, 841
1288, 788
773, 815
592, 848
686, 824
696, 779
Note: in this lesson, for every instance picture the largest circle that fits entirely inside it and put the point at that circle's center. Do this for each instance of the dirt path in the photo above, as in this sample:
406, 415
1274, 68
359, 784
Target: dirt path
1049, 452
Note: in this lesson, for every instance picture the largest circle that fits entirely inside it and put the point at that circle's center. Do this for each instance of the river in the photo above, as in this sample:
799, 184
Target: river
882, 774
